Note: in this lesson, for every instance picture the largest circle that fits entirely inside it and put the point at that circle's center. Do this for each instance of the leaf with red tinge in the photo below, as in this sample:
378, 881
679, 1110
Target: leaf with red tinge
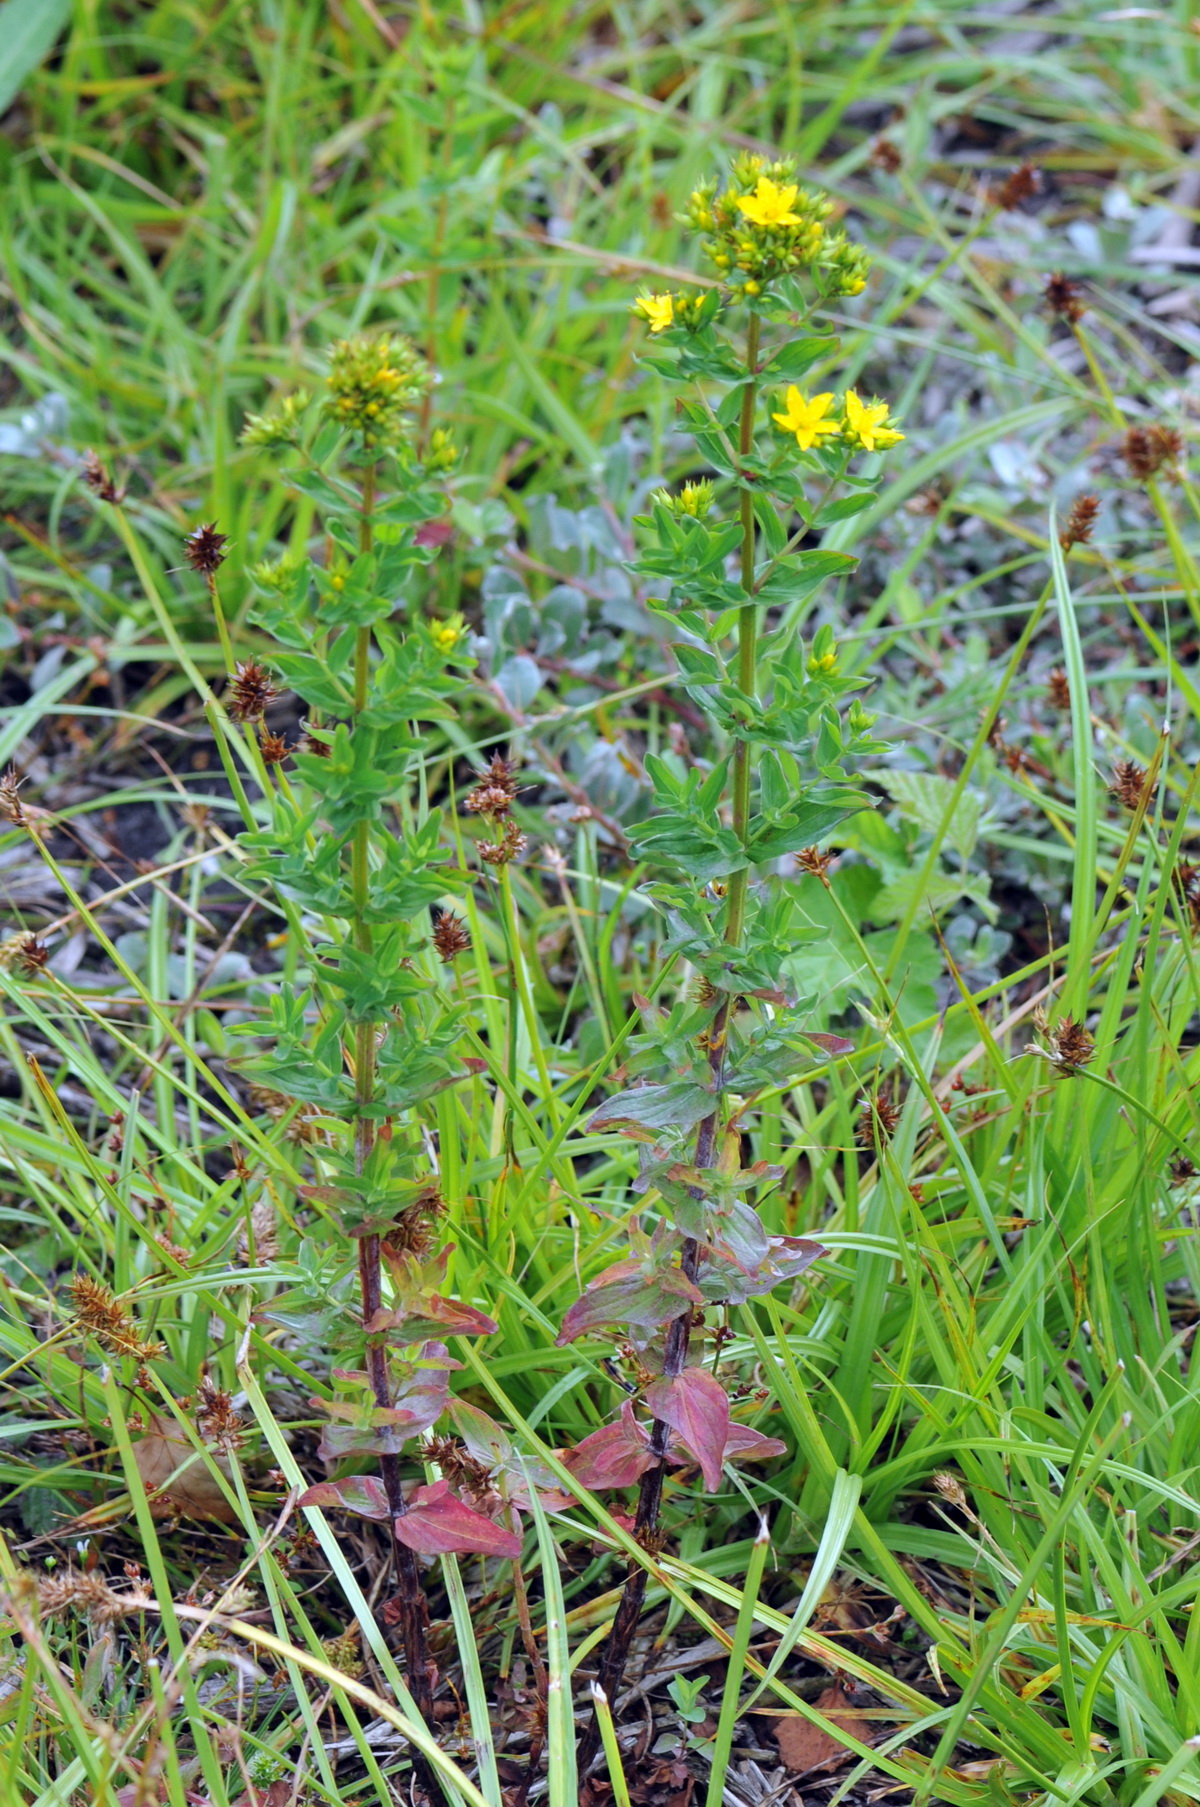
358, 1493
751, 1445
787, 1256
173, 1471
805, 1747
420, 1309
680, 1104
627, 1294
617, 1455
434, 533
829, 1044
437, 1523
432, 1313
696, 1406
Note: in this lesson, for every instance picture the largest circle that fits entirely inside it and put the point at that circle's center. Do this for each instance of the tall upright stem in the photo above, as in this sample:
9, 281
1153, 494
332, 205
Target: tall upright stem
675, 1355
414, 1612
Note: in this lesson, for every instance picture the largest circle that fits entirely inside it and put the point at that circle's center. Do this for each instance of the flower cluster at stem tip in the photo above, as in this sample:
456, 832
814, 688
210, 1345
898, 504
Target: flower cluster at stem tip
863, 425
373, 384
775, 229
763, 226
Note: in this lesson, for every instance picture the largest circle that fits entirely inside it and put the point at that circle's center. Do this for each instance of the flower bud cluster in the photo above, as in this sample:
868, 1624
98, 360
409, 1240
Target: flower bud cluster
763, 225
280, 426
277, 575
373, 383
443, 454
692, 503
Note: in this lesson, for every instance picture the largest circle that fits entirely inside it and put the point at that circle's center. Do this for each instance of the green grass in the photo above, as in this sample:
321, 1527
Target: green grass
986, 1386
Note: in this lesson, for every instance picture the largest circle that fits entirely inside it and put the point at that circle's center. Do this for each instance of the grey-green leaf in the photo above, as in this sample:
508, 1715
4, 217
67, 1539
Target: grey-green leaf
28, 29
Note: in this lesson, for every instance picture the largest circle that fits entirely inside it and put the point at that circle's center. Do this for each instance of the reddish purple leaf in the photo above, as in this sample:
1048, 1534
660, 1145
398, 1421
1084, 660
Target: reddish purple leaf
751, 1445
431, 1312
696, 1407
438, 1524
618, 1455
434, 533
829, 1044
360, 1493
634, 1297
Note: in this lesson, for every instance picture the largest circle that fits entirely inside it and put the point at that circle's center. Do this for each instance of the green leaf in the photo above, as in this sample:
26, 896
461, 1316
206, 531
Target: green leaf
679, 1105
698, 666
809, 822
843, 508
924, 797
941, 893
795, 360
797, 576
28, 29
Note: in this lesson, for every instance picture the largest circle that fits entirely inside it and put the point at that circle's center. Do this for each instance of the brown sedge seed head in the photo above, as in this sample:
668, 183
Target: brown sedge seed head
1128, 782
274, 748
101, 1314
1077, 530
816, 862
878, 1114
1020, 185
1063, 296
205, 549
451, 936
97, 479
252, 691
508, 848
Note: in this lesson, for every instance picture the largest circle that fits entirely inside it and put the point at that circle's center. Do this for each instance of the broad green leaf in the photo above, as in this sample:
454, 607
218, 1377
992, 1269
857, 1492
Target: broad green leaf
28, 29
924, 797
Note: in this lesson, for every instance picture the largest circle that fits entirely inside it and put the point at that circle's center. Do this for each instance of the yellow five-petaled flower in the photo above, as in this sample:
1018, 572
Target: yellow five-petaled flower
807, 419
770, 204
866, 422
659, 310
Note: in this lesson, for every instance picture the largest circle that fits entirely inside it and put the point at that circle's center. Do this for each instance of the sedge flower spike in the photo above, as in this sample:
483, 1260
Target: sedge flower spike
866, 424
771, 203
807, 419
658, 310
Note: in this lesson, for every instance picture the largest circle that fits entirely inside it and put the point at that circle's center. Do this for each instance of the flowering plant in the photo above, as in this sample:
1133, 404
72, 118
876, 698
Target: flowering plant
373, 1035
734, 583
732, 558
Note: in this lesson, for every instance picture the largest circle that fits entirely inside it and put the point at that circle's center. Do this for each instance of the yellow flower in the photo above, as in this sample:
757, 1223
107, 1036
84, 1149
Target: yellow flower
866, 423
807, 419
447, 634
770, 204
659, 310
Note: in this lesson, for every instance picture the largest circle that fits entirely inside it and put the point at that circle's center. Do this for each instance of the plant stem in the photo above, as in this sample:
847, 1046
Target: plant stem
522, 995
675, 1355
222, 624
414, 1611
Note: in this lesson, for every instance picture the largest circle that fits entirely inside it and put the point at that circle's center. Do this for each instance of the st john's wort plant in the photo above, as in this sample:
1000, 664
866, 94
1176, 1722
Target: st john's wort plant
734, 557
372, 1037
